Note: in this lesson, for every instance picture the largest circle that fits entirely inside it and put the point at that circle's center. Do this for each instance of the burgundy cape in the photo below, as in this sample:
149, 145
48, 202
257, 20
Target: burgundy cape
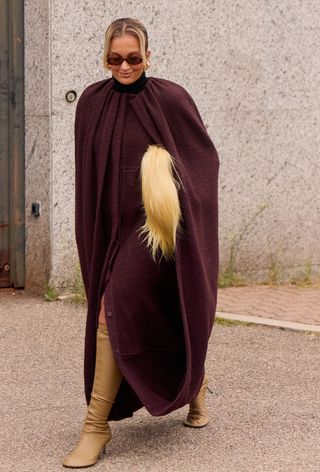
159, 314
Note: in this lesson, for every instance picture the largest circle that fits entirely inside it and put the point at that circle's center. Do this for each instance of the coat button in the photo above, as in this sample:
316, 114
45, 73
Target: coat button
109, 313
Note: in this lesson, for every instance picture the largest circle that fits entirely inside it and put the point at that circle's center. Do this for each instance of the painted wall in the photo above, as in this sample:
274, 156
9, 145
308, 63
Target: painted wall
252, 69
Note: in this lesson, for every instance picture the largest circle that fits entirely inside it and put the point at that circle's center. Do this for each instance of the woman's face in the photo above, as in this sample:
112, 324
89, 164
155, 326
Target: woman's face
125, 46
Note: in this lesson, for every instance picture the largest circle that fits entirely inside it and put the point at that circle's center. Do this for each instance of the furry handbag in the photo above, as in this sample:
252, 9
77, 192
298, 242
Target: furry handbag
160, 200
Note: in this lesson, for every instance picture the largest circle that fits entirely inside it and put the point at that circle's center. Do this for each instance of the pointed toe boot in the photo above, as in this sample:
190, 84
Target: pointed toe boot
96, 432
91, 447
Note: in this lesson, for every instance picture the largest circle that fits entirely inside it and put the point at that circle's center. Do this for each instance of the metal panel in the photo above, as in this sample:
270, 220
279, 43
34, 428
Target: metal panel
4, 145
12, 225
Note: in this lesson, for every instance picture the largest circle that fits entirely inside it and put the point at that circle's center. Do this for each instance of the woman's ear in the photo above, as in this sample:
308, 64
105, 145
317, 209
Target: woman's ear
147, 65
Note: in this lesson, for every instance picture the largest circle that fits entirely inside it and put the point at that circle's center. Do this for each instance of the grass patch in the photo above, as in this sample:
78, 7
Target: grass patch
78, 289
274, 272
304, 277
50, 294
76, 293
229, 277
224, 322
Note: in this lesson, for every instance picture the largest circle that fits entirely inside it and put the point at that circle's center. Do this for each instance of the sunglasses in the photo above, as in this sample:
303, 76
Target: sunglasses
118, 60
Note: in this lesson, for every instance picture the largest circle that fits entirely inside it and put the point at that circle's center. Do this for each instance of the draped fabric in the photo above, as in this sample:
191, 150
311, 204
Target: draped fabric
159, 314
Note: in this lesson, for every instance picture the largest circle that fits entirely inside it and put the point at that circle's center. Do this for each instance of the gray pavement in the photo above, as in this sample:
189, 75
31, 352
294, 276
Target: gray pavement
264, 406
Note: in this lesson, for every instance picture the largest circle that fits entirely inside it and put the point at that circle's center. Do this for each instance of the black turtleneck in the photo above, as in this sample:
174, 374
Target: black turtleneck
135, 87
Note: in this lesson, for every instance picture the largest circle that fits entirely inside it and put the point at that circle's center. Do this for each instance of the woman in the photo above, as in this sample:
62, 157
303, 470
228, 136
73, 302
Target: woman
146, 231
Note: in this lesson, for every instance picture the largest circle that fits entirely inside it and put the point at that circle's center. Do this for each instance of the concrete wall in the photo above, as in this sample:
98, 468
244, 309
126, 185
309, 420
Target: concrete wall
38, 144
251, 68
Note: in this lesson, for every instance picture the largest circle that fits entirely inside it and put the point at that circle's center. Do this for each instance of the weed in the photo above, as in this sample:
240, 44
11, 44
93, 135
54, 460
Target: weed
304, 277
50, 294
75, 293
229, 276
224, 322
274, 272
79, 290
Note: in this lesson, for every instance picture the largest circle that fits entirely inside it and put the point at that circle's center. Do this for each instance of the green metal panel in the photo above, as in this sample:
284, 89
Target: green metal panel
12, 224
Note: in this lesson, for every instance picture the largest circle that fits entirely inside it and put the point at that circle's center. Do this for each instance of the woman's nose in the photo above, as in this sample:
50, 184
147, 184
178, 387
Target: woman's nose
124, 65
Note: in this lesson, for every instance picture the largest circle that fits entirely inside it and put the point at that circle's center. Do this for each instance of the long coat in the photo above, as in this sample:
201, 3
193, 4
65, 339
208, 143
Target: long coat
159, 313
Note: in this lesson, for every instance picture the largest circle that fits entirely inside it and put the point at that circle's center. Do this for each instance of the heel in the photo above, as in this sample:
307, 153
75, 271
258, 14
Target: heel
198, 413
102, 452
90, 448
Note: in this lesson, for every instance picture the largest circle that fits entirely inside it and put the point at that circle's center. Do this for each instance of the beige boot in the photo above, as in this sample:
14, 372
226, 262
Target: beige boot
198, 413
96, 432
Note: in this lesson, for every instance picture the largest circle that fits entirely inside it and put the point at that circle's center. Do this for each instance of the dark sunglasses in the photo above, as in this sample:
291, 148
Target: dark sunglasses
118, 60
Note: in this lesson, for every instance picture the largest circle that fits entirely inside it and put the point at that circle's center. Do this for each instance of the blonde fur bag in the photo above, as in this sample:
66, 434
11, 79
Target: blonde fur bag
160, 200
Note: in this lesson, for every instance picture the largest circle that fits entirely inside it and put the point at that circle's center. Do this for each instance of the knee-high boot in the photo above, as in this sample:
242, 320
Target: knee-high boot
198, 413
96, 431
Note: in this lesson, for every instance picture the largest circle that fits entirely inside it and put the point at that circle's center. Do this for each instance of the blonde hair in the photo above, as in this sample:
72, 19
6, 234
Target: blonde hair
125, 26
160, 200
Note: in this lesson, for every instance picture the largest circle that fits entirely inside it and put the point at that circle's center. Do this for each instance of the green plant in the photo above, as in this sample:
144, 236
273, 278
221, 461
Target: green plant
304, 277
50, 294
224, 322
78, 288
274, 272
230, 277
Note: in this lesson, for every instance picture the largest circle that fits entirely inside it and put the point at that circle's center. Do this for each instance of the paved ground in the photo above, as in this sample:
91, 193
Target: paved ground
290, 303
265, 405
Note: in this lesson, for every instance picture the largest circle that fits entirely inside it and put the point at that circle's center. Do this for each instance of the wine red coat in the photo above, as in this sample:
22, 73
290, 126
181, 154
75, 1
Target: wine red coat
159, 314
